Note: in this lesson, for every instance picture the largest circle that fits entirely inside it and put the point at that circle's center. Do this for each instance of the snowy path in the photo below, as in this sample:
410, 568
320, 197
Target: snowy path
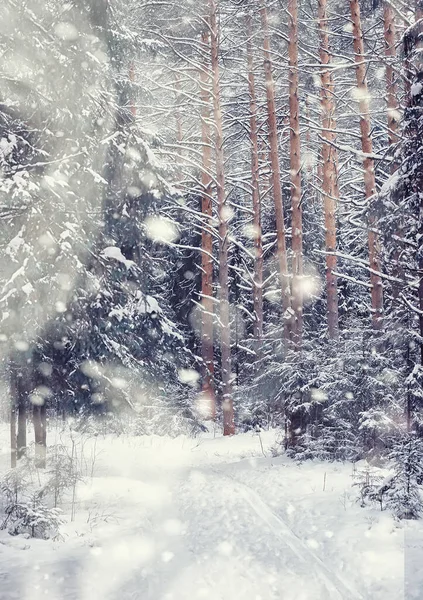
335, 587
180, 521
262, 558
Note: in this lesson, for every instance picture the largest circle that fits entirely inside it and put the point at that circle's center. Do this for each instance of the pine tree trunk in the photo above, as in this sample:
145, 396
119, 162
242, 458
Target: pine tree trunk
276, 174
18, 398
21, 402
178, 119
419, 36
225, 335
258, 247
295, 171
13, 401
207, 313
391, 89
368, 166
392, 117
329, 169
309, 162
414, 69
39, 422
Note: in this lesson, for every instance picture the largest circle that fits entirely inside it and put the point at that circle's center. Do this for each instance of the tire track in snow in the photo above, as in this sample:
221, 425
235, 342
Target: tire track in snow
338, 589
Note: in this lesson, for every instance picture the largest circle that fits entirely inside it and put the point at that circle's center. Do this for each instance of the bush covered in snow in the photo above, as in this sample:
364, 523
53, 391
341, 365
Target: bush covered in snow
29, 497
33, 518
400, 491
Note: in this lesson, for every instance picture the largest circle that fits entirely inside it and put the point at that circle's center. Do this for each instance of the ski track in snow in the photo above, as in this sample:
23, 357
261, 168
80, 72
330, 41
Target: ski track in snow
337, 588
176, 523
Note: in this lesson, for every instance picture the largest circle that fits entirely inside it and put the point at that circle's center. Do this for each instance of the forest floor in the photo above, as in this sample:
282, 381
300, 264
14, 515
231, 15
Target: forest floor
186, 519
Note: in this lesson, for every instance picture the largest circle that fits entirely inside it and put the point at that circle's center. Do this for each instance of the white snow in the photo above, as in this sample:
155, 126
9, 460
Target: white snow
116, 253
7, 145
148, 304
177, 519
416, 88
15, 245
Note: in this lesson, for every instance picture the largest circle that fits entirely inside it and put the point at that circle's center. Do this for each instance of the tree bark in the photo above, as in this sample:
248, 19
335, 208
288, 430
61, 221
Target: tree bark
419, 32
368, 166
13, 401
295, 172
20, 382
39, 422
329, 169
309, 162
392, 117
276, 175
207, 314
21, 435
258, 247
225, 337
414, 74
391, 88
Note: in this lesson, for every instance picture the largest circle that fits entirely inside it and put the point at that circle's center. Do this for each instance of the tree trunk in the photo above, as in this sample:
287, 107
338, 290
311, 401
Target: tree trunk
276, 175
391, 89
329, 169
414, 74
419, 36
19, 384
225, 336
295, 172
368, 166
39, 422
308, 154
392, 118
207, 314
21, 401
258, 247
13, 402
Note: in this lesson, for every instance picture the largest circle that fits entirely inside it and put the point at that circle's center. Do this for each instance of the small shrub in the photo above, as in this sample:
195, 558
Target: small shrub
62, 473
368, 482
33, 518
401, 491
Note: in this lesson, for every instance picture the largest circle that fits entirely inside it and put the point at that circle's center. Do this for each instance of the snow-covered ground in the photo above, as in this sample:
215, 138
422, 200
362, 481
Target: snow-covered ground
181, 519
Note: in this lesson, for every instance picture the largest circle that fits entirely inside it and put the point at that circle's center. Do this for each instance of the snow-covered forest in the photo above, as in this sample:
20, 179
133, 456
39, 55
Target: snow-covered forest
211, 299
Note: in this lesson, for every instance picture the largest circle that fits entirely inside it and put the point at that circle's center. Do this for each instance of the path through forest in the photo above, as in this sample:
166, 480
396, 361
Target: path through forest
183, 519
